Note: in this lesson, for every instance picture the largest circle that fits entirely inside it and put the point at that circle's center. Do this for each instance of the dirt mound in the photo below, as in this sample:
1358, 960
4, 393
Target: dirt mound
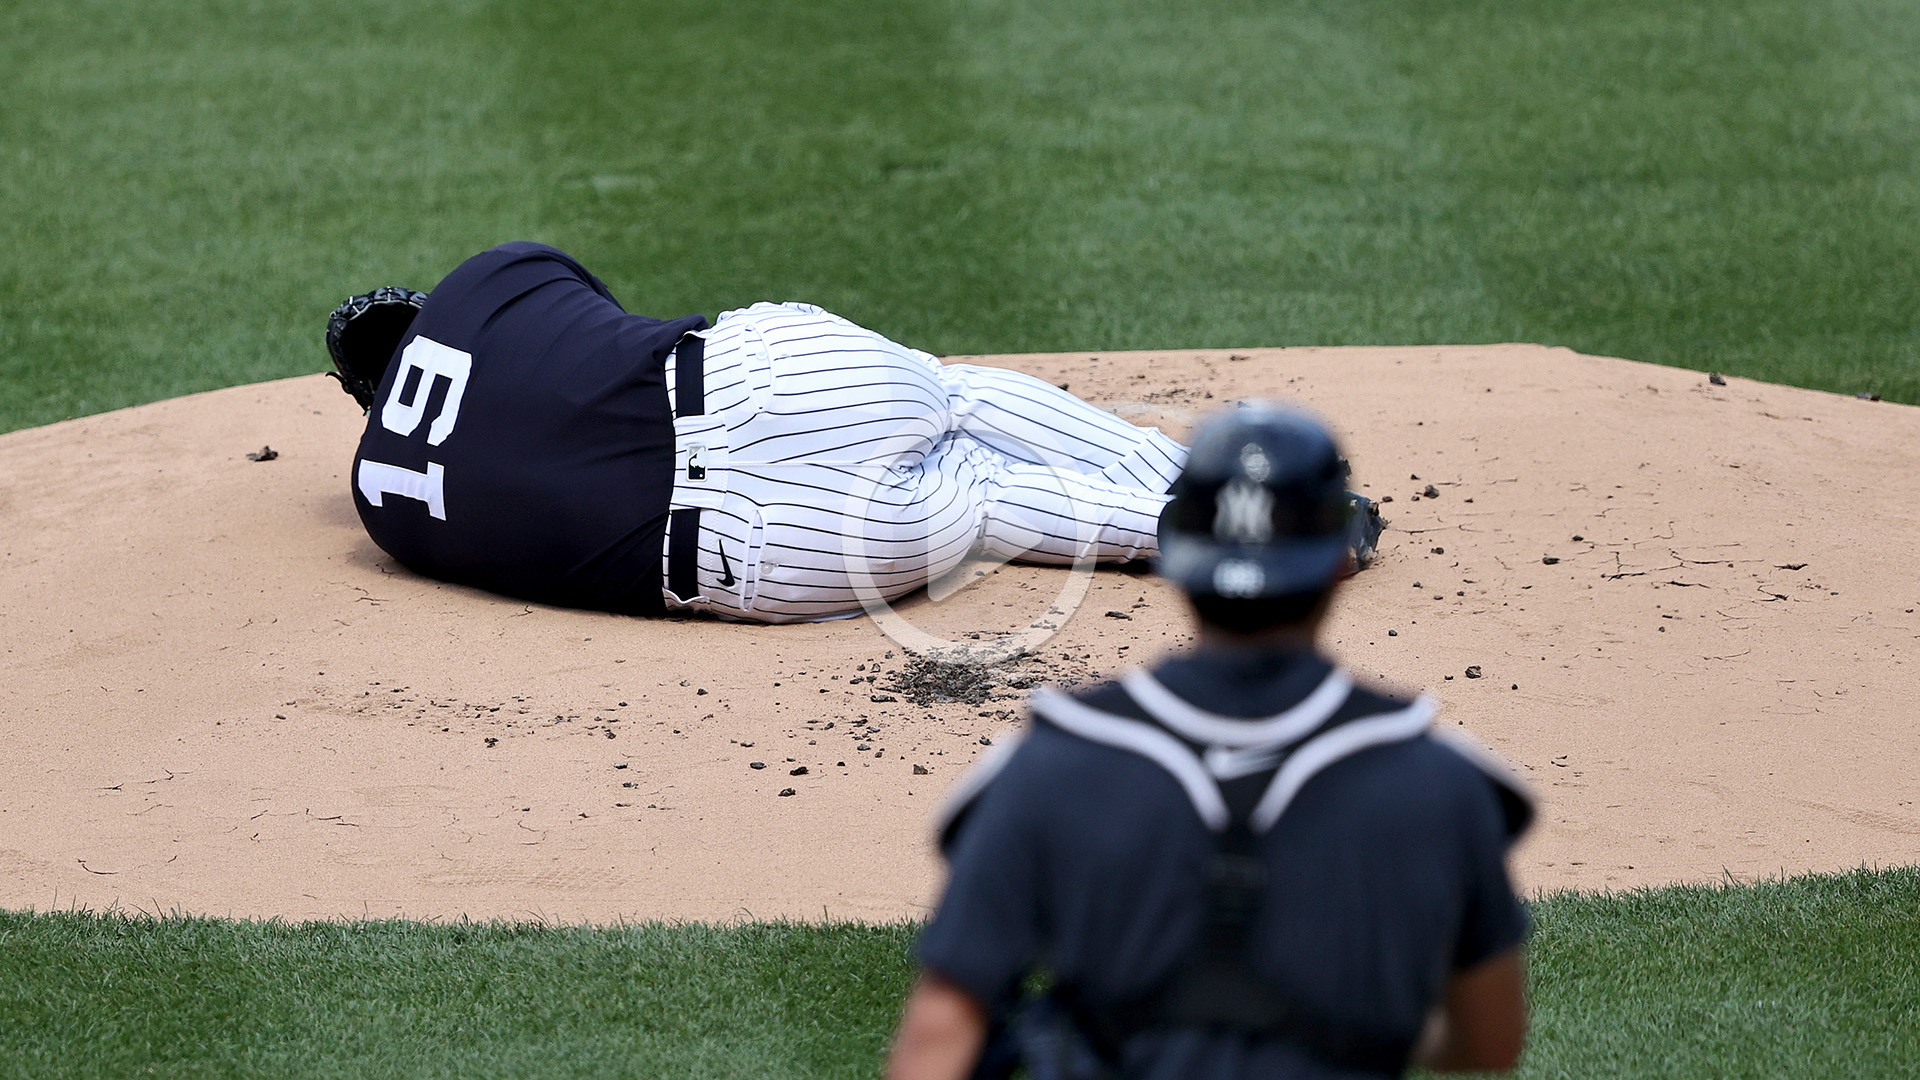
1689, 605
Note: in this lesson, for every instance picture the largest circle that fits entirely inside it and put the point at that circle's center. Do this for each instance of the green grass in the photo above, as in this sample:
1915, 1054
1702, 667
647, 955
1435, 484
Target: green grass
107, 996
1815, 976
1809, 977
191, 184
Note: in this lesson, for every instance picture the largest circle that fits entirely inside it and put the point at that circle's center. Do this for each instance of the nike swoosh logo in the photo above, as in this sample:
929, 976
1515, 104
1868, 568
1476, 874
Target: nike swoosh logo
726, 572
1226, 763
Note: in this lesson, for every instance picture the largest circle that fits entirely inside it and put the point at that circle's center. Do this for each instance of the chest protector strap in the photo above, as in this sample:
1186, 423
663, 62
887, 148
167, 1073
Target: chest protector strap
1240, 776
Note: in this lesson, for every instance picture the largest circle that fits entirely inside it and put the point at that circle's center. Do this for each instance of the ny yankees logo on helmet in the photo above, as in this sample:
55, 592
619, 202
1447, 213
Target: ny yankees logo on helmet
1262, 508
1244, 512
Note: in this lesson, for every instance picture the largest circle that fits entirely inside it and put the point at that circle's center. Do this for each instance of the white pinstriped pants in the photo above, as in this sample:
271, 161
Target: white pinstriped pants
842, 468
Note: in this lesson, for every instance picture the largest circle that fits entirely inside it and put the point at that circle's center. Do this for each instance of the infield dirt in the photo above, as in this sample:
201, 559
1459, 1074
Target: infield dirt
1689, 608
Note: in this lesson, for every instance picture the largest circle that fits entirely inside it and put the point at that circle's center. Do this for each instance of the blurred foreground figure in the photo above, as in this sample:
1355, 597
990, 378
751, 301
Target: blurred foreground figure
1237, 863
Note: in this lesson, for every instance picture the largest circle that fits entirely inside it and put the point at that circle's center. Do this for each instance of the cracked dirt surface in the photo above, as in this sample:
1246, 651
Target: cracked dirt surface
1684, 610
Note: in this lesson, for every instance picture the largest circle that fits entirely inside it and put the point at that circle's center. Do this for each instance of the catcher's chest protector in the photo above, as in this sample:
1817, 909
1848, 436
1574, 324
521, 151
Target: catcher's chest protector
1239, 775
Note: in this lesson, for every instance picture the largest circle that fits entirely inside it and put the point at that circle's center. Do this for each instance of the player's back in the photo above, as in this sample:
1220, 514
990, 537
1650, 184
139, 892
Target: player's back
1382, 876
521, 441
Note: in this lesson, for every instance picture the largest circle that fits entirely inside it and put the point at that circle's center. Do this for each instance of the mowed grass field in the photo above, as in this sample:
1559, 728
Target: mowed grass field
190, 185
1810, 977
186, 188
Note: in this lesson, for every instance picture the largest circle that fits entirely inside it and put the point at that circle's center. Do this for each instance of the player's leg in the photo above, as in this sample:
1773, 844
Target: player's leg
1031, 420
846, 484
798, 541
1047, 477
1045, 514
837, 392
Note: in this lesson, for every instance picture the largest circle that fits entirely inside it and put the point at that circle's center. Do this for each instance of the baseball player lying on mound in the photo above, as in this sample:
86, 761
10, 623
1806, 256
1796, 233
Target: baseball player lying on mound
528, 436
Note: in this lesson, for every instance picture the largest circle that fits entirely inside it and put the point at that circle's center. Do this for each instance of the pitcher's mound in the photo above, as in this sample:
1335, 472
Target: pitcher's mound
1685, 610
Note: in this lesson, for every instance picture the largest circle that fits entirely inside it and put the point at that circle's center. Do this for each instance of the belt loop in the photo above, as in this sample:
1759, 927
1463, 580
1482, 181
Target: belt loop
683, 526
690, 376
683, 554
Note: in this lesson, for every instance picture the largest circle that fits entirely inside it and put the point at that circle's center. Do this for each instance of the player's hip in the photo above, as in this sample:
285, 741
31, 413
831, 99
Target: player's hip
803, 541
794, 383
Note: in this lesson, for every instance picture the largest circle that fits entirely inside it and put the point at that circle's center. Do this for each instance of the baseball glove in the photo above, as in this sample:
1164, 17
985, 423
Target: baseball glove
362, 334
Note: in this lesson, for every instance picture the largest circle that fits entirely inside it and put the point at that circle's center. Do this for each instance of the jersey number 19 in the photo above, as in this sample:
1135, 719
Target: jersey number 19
401, 414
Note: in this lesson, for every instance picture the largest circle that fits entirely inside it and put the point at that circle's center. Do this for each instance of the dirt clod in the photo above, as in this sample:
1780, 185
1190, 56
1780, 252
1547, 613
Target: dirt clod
926, 680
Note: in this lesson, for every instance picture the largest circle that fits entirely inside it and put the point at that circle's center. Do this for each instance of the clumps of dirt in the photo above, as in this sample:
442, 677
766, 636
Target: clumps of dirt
927, 679
976, 678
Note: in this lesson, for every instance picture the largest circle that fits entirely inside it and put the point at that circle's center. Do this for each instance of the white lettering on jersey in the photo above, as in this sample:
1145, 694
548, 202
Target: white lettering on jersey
433, 360
378, 479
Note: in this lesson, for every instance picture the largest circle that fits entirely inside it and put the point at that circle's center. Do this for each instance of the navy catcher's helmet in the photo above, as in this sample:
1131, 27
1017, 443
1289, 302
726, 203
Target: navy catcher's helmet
1262, 509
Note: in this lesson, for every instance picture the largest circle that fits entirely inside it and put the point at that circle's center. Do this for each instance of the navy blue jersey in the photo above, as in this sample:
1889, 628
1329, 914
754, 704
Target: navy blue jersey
1385, 875
521, 441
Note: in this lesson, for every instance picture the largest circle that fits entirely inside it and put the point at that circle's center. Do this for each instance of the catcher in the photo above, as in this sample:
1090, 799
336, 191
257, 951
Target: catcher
1237, 863
529, 436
